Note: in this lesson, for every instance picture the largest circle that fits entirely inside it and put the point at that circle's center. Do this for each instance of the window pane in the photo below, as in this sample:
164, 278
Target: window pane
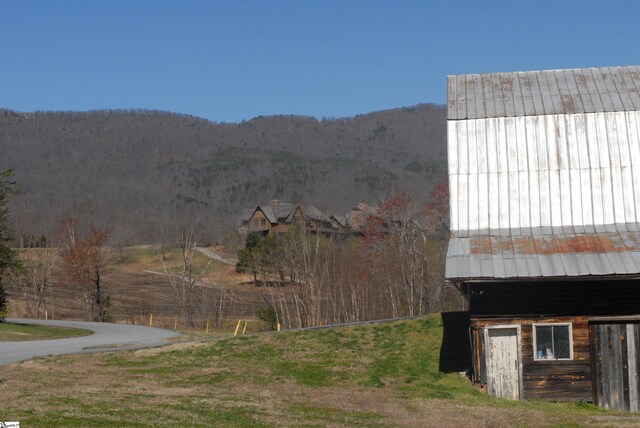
544, 337
561, 341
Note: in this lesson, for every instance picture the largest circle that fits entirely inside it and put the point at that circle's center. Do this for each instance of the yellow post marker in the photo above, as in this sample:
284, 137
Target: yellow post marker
237, 328
207, 330
150, 320
278, 326
245, 327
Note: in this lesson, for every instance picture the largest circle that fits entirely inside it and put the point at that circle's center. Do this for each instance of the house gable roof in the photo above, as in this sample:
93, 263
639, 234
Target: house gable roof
278, 213
246, 215
284, 213
312, 213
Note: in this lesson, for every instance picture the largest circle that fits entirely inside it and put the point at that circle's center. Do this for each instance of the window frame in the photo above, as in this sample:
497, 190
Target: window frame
552, 324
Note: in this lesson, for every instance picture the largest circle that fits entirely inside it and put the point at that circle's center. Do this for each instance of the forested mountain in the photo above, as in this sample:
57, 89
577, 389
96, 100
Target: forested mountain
143, 172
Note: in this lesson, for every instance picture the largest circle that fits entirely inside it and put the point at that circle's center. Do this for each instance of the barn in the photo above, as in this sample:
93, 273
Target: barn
544, 176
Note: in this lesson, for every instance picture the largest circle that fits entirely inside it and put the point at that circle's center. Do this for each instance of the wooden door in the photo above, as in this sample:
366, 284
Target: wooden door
615, 347
503, 370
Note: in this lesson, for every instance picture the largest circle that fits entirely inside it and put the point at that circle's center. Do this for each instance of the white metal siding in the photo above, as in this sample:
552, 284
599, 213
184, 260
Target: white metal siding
578, 169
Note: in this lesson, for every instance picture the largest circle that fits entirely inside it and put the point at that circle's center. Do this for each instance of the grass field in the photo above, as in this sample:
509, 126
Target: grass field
21, 332
368, 376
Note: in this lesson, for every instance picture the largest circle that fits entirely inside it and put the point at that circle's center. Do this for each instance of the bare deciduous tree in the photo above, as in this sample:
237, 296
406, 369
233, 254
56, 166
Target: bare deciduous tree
396, 269
84, 262
188, 276
35, 281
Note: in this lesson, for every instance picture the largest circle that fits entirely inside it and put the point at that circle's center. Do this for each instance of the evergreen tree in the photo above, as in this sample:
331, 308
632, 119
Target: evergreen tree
249, 256
8, 258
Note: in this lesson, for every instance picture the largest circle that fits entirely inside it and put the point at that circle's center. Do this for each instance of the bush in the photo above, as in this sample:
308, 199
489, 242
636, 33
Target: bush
270, 316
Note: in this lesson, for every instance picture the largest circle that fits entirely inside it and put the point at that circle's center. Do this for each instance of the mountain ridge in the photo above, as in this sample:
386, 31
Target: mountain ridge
143, 171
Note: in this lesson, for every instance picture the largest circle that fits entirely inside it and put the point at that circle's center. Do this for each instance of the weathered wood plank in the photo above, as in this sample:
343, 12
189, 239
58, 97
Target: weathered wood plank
624, 366
636, 359
616, 375
483, 360
503, 379
479, 369
601, 387
632, 360
611, 361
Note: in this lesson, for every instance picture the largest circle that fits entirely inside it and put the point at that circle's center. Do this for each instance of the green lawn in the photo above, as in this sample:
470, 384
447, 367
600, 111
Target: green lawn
366, 376
15, 332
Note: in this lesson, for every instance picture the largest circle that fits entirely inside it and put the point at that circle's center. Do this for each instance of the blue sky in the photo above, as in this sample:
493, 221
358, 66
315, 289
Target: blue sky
233, 60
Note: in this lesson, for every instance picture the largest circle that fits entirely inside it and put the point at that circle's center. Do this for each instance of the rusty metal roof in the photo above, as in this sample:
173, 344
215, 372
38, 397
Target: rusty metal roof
544, 173
588, 90
551, 252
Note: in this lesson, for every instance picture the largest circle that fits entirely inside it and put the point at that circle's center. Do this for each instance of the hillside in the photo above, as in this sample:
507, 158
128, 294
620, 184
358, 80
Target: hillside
141, 172
379, 375
137, 288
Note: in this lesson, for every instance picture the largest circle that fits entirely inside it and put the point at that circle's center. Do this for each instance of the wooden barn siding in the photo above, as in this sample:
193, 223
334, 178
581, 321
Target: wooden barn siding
478, 357
616, 364
545, 380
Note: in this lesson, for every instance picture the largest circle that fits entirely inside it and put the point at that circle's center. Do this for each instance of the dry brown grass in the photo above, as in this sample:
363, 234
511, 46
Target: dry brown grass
73, 384
136, 294
252, 381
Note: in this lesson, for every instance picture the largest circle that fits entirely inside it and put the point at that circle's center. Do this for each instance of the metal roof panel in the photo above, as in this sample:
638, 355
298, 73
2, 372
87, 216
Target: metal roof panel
486, 266
534, 266
588, 90
578, 254
522, 268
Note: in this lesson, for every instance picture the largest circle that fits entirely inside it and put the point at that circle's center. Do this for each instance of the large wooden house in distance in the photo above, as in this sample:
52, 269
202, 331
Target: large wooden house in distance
279, 217
544, 173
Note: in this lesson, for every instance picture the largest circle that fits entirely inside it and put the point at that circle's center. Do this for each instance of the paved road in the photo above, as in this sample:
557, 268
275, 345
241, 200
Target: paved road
214, 256
106, 337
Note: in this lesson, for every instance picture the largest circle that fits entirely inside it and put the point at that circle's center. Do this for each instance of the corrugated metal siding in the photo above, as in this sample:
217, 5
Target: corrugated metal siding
590, 90
544, 173
563, 170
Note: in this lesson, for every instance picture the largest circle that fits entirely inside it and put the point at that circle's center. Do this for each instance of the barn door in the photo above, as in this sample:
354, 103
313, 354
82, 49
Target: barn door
503, 370
616, 347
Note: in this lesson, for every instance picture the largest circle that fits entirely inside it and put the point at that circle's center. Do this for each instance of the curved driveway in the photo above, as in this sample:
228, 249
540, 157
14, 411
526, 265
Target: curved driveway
106, 337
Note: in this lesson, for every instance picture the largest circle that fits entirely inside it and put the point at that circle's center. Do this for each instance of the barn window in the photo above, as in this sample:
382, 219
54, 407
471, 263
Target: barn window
552, 342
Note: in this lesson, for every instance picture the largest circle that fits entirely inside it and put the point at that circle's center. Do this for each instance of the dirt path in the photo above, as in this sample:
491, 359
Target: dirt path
214, 256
